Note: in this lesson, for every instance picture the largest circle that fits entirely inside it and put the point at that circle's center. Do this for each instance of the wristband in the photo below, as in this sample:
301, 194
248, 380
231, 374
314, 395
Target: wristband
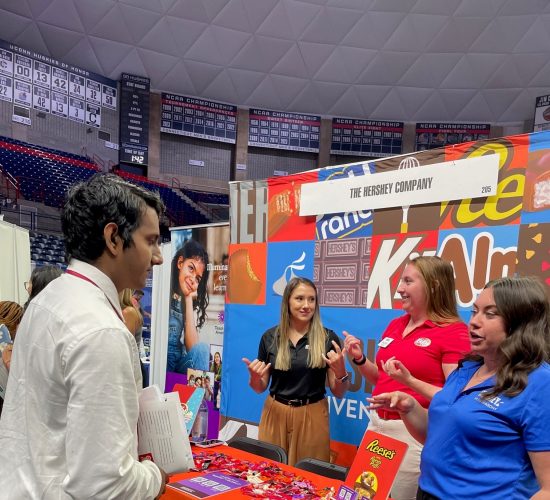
343, 379
361, 361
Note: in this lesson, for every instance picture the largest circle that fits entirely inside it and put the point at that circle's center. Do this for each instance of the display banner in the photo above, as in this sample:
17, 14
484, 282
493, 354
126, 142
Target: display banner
471, 178
6, 88
76, 110
437, 135
93, 114
542, 114
279, 130
60, 104
366, 137
200, 118
134, 119
356, 256
43, 83
199, 272
41, 99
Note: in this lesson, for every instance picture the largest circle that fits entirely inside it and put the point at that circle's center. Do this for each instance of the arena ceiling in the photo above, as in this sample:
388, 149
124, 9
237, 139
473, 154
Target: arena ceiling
406, 60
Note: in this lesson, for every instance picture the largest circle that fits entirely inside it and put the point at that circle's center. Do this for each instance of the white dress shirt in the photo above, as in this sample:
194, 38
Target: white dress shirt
69, 423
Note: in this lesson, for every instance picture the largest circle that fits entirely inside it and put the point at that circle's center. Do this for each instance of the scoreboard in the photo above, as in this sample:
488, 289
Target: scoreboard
194, 117
134, 119
366, 137
437, 135
40, 82
542, 114
280, 130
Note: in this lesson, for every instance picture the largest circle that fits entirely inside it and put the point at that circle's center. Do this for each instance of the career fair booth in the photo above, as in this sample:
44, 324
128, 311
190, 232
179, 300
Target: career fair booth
483, 206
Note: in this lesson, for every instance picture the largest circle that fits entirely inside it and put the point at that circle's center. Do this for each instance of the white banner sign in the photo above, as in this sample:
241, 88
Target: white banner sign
452, 180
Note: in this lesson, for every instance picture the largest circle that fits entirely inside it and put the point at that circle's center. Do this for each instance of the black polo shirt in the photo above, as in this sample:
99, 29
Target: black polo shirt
300, 382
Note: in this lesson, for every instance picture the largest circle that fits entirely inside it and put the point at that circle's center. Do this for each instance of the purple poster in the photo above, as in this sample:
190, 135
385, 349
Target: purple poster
209, 485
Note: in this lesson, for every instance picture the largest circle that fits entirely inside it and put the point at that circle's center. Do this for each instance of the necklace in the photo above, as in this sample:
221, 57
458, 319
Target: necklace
478, 378
483, 376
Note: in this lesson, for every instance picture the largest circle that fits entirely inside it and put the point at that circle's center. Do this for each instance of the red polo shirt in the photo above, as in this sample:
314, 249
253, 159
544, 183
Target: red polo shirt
422, 351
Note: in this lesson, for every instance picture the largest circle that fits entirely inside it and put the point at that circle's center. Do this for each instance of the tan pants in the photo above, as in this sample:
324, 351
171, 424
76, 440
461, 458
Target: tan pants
302, 431
406, 482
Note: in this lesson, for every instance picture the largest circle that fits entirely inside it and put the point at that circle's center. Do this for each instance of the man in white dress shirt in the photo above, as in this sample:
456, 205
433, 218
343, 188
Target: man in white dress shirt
69, 425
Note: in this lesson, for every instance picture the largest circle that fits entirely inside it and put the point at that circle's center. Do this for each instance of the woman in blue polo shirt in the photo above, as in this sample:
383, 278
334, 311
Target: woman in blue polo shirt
487, 432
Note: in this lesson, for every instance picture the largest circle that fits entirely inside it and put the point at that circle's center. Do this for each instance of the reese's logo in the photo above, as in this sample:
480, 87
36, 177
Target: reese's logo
379, 450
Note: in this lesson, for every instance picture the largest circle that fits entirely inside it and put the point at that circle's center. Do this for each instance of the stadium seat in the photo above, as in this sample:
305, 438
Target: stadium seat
261, 448
322, 468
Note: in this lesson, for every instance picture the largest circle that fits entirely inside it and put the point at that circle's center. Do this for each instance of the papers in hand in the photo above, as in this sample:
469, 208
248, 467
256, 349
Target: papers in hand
162, 434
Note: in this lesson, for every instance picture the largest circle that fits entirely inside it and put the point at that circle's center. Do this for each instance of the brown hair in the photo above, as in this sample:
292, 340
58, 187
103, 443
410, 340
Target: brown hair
10, 315
523, 305
439, 285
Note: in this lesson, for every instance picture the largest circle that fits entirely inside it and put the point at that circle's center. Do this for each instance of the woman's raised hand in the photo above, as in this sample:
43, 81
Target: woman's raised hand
256, 368
259, 374
352, 345
335, 359
394, 401
397, 370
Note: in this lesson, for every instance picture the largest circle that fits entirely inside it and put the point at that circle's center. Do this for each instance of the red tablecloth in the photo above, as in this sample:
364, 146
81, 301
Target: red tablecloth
171, 494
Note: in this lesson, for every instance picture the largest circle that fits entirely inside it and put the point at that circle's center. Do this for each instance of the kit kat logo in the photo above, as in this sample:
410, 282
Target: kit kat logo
379, 450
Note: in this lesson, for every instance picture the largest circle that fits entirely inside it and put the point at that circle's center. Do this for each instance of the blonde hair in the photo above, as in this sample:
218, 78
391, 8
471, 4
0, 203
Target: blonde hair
125, 298
316, 334
439, 285
10, 315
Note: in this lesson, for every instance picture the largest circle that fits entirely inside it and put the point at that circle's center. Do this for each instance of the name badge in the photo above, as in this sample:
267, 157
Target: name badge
385, 342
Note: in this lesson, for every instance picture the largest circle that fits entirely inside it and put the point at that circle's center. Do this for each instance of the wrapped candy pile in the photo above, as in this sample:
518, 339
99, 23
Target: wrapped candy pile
265, 479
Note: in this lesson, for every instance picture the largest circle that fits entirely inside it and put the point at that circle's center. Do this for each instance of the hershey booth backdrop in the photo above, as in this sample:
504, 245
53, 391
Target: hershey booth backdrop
484, 206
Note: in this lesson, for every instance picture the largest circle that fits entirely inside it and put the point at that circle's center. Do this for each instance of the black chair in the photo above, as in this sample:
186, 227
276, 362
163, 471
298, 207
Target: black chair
261, 448
323, 468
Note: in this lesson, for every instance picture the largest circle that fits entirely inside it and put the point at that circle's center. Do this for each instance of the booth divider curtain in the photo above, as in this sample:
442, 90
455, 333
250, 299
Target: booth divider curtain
15, 255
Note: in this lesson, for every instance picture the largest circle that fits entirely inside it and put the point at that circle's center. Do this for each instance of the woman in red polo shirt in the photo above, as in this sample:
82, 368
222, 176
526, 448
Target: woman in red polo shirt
416, 354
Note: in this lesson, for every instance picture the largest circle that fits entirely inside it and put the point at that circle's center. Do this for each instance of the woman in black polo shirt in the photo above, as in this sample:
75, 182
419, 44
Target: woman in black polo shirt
298, 356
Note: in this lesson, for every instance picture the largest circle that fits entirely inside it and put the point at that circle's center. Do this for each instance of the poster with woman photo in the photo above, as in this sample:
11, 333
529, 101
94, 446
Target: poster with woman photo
196, 299
216, 352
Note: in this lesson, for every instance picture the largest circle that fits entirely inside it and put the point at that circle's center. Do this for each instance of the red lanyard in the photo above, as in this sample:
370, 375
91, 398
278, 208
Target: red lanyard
85, 278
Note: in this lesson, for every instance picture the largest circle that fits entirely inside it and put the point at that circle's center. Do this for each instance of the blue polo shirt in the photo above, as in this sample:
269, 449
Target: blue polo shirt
477, 448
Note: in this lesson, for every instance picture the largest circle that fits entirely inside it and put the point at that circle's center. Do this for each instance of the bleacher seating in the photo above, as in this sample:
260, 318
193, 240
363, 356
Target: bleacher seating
206, 198
178, 210
43, 174
47, 249
56, 152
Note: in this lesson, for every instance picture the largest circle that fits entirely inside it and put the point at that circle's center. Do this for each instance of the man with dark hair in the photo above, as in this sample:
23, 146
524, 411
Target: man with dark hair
68, 429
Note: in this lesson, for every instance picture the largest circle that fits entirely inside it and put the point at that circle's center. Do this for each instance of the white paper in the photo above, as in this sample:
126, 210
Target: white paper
162, 432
